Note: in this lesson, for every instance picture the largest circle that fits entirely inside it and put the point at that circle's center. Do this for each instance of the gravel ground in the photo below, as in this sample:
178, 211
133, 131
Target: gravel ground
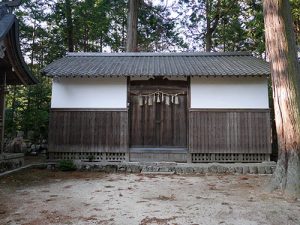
52, 197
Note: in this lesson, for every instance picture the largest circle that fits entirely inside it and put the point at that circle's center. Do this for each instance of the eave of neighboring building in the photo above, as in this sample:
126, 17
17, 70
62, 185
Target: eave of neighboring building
12, 65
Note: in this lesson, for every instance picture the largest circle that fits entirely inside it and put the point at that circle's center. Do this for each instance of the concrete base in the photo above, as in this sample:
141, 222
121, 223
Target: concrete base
11, 161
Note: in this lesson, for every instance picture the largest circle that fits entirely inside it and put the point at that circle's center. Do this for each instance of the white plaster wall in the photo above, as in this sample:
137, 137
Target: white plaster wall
89, 93
229, 92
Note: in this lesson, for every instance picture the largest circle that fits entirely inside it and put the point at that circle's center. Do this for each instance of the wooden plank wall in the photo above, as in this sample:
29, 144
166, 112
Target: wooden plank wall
229, 131
158, 125
88, 131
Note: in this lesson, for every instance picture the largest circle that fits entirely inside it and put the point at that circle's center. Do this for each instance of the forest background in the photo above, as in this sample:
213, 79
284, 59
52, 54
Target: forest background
50, 28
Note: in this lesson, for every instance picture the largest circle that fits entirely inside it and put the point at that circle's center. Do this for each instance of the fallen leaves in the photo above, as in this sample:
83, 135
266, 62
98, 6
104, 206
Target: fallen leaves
166, 198
154, 220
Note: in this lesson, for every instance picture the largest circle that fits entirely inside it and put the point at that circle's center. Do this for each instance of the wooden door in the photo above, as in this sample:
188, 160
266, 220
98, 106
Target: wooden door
158, 125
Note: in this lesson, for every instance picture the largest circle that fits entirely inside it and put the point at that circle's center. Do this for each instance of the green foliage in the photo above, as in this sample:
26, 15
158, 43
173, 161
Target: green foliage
157, 30
254, 26
234, 25
66, 165
27, 109
295, 4
230, 35
91, 158
101, 25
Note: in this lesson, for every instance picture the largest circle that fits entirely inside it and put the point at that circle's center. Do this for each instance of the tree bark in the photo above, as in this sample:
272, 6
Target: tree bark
69, 26
285, 73
131, 44
208, 41
211, 25
33, 46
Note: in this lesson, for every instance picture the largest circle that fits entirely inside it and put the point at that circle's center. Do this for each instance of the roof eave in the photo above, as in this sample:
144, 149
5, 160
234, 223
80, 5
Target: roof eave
6, 22
22, 71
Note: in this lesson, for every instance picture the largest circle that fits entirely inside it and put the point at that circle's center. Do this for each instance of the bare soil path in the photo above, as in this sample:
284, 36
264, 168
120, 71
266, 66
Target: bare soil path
45, 197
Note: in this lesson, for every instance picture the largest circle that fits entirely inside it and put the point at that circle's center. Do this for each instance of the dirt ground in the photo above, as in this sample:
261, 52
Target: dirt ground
41, 197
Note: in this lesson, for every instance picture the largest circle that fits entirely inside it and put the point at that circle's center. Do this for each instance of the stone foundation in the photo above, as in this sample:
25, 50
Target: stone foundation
11, 161
180, 168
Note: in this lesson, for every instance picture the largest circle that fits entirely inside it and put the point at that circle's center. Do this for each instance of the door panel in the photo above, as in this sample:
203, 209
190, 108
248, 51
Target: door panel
158, 125
173, 127
143, 127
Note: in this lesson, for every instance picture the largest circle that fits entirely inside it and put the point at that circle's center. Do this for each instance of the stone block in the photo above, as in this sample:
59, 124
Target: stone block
222, 169
261, 169
213, 169
268, 169
253, 169
231, 169
239, 169
199, 170
246, 169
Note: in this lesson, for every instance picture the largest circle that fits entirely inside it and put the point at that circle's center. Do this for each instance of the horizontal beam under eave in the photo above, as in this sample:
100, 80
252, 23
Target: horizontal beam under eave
89, 109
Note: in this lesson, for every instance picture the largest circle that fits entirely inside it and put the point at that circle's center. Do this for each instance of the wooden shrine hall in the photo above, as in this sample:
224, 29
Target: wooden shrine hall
182, 107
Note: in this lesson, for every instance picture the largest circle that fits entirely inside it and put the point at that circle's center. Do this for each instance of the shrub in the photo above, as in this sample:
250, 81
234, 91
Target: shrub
67, 165
91, 158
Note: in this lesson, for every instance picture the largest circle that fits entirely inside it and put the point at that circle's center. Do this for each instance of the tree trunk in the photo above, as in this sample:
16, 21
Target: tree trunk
208, 41
13, 109
33, 46
2, 111
123, 47
281, 47
211, 24
69, 26
131, 45
208, 33
101, 42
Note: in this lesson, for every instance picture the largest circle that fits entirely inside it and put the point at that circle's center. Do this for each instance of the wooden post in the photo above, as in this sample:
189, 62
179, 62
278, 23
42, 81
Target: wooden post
2, 110
189, 157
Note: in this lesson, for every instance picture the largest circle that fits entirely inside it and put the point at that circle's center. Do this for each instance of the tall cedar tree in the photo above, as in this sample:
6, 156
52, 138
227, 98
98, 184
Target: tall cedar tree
281, 47
68, 13
131, 44
211, 23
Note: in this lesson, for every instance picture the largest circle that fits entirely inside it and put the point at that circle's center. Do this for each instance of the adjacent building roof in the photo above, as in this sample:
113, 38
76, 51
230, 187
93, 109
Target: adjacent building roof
12, 65
157, 64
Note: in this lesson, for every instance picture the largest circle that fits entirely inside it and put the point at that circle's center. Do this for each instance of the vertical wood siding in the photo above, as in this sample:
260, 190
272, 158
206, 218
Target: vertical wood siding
88, 131
158, 125
229, 131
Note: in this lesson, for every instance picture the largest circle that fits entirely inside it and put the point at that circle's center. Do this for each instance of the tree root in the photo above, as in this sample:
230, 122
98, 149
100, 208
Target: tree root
286, 176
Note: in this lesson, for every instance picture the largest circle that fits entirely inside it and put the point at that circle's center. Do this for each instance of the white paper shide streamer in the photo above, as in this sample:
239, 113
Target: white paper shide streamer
159, 97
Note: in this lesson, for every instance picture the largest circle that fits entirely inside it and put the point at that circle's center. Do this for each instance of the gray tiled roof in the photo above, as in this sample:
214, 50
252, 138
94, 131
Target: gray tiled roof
157, 64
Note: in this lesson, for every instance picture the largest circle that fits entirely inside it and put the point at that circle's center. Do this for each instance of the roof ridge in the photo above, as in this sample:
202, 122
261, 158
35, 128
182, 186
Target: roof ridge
155, 54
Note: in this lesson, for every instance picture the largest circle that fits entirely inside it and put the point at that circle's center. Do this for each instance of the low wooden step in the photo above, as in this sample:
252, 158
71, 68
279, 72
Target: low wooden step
158, 154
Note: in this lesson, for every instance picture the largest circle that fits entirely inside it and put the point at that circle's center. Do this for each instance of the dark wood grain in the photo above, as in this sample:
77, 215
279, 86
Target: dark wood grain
158, 125
88, 131
232, 131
